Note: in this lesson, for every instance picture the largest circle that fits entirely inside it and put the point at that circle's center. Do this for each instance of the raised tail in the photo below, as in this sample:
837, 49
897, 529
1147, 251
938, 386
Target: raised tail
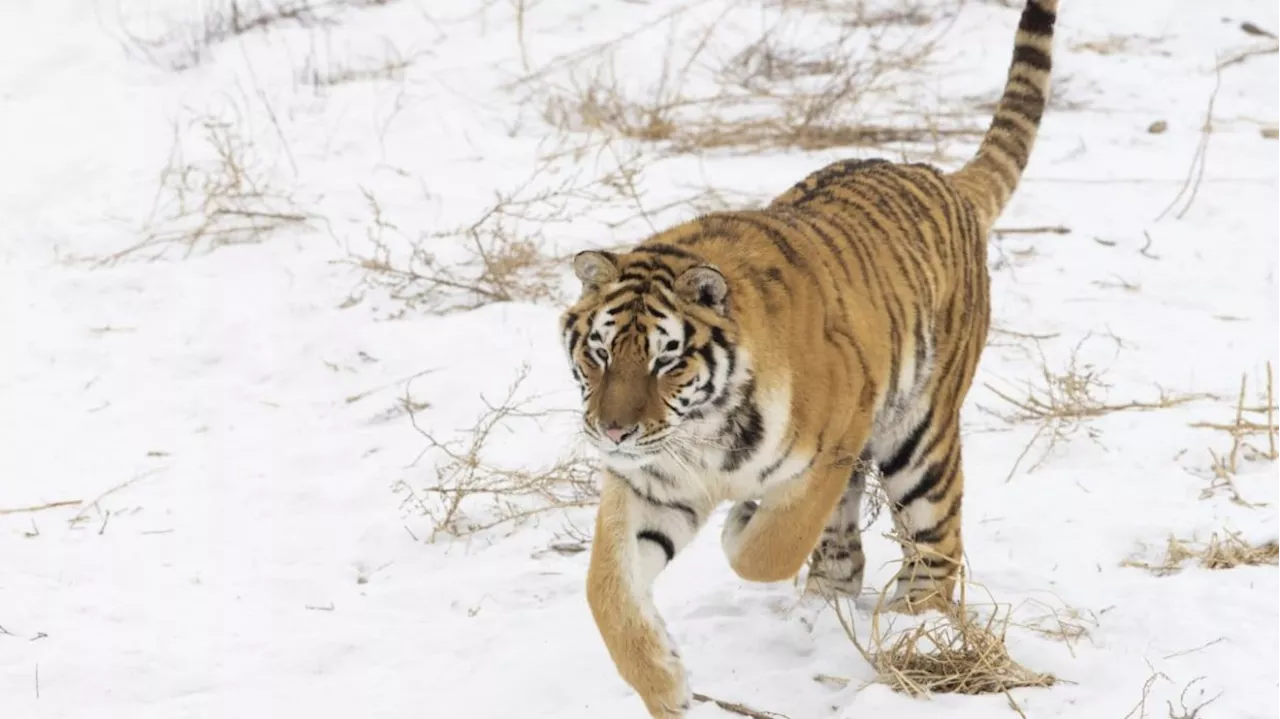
989, 179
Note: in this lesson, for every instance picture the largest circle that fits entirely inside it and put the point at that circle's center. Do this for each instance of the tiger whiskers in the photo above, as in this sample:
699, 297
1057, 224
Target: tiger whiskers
690, 440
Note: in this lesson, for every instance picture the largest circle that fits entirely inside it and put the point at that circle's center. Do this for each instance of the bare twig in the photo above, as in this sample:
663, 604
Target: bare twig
217, 194
191, 43
1145, 251
471, 495
1045, 230
1139, 711
1066, 400
736, 708
1195, 173
1225, 466
41, 507
86, 506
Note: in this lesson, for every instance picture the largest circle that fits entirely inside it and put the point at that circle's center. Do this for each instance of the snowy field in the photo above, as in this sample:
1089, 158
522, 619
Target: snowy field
287, 430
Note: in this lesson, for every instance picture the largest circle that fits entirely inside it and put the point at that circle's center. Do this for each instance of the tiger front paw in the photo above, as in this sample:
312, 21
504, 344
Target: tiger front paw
664, 687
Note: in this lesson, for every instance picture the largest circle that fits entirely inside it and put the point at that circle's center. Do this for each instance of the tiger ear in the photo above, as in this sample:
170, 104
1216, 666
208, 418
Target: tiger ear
704, 285
595, 269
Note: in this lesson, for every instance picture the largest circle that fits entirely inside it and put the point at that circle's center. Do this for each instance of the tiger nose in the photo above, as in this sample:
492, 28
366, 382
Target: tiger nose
617, 434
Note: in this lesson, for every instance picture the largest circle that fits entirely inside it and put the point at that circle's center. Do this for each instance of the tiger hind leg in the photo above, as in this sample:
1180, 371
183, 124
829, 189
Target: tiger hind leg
836, 564
925, 486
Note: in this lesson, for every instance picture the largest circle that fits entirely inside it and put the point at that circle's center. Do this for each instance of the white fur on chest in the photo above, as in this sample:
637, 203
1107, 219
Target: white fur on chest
693, 469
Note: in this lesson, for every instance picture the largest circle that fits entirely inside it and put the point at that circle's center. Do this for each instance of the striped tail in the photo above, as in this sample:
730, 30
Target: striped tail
989, 179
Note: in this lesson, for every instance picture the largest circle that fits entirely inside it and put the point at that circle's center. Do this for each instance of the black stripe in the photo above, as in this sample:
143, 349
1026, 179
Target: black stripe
941, 432
708, 359
931, 477
1028, 104
949, 474
1036, 20
1027, 55
657, 474
768, 471
934, 534
907, 449
922, 350
775, 236
620, 292
746, 428
933, 561
677, 506
660, 248
660, 539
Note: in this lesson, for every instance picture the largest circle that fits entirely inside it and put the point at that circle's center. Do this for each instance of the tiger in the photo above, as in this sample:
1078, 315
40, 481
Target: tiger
775, 357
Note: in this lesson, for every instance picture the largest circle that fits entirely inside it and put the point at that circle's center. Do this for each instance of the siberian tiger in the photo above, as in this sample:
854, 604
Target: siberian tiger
766, 356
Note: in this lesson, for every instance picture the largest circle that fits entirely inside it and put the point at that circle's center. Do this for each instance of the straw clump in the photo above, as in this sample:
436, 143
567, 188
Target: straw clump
953, 655
1223, 551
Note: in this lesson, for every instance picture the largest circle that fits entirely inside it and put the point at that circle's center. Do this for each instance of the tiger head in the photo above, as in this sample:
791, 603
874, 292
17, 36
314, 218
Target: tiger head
651, 343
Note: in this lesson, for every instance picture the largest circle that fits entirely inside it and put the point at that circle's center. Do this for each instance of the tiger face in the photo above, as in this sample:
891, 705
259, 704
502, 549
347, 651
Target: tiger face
650, 349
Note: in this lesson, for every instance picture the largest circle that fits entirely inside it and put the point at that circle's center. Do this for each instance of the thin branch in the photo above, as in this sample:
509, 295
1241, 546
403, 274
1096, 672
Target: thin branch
739, 709
41, 507
1044, 230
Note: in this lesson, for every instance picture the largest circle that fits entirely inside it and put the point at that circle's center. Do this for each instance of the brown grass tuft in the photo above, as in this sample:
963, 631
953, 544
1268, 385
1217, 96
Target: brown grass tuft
781, 90
1244, 427
956, 656
489, 260
216, 192
190, 44
1063, 624
953, 654
1225, 551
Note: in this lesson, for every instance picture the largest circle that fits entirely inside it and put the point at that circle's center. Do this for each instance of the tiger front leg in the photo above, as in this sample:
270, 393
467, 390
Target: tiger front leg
771, 540
837, 563
636, 537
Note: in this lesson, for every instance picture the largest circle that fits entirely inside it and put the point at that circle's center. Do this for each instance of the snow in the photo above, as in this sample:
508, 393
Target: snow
229, 431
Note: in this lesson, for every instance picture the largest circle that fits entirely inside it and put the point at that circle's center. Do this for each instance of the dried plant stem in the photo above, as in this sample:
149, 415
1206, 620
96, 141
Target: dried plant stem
1223, 551
524, 49
42, 507
1271, 414
736, 708
1227, 465
1045, 230
1195, 173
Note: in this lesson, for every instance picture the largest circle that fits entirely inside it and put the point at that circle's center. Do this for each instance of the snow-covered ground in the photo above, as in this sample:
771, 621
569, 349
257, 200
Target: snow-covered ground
237, 487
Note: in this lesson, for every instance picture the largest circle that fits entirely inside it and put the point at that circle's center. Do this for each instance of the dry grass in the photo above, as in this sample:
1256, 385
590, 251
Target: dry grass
506, 253
1184, 709
783, 89
1060, 623
470, 494
214, 192
322, 70
1223, 551
954, 654
190, 44
1066, 400
497, 263
1242, 429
